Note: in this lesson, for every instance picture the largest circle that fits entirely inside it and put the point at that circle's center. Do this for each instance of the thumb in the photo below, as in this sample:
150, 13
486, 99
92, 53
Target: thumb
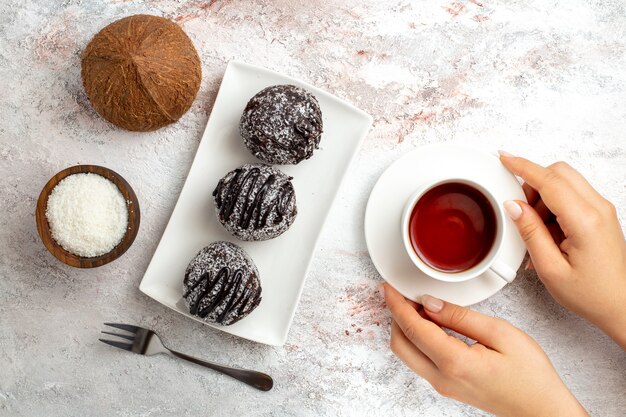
544, 252
489, 331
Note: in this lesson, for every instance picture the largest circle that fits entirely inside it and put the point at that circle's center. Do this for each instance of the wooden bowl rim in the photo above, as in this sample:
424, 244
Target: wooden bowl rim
132, 205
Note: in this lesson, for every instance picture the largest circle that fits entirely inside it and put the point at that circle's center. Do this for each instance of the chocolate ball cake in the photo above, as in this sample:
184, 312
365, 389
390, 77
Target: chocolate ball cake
221, 284
255, 202
282, 124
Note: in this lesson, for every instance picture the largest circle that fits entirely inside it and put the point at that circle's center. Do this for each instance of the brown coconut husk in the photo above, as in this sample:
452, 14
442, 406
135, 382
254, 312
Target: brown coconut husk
141, 72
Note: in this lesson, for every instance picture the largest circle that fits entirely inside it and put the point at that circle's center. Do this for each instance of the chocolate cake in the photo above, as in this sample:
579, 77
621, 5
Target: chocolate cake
282, 124
221, 284
255, 202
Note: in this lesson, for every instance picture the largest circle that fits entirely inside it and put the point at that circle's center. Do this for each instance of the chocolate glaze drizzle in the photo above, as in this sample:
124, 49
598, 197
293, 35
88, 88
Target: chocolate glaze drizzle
253, 199
230, 292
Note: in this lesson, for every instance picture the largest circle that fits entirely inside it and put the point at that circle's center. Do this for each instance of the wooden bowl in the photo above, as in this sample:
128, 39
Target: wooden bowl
78, 261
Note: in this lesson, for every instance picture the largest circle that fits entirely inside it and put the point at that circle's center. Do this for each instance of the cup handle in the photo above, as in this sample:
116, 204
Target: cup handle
503, 271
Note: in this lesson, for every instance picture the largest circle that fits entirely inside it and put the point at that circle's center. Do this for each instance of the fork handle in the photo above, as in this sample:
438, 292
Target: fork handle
258, 380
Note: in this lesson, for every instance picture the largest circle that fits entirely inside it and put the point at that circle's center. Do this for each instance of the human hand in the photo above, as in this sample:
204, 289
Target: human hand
505, 373
575, 242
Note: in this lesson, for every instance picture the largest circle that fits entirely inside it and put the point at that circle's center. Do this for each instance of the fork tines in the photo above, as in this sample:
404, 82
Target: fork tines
125, 346
128, 327
124, 336
120, 345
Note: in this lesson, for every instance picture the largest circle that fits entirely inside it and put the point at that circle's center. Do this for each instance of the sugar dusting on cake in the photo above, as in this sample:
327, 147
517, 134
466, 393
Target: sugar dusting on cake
282, 124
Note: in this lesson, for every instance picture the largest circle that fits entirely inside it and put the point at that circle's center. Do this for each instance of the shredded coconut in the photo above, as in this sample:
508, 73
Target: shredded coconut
87, 214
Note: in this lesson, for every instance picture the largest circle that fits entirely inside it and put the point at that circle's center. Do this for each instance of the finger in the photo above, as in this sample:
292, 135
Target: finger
565, 245
489, 331
410, 354
424, 334
419, 308
531, 194
555, 232
532, 174
558, 194
544, 213
578, 182
529, 265
544, 252
413, 304
416, 306
421, 312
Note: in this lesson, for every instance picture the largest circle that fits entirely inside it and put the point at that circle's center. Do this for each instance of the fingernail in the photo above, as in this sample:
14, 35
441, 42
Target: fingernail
431, 303
513, 209
381, 290
505, 154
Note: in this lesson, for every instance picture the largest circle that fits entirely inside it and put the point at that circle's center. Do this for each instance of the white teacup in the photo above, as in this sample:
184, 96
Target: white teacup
490, 261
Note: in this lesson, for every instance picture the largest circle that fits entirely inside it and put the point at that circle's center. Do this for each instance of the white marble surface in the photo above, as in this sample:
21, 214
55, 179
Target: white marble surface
545, 79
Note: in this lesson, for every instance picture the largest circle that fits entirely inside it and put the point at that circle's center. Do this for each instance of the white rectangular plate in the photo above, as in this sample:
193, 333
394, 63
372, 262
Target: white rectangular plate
283, 262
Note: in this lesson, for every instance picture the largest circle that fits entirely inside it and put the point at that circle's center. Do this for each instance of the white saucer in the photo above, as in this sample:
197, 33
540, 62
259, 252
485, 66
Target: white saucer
390, 194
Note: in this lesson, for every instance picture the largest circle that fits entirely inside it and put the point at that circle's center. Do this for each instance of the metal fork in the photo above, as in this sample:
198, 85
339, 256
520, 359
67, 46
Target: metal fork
147, 342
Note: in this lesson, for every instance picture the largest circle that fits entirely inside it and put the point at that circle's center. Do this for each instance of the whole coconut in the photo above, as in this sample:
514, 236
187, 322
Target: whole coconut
141, 72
